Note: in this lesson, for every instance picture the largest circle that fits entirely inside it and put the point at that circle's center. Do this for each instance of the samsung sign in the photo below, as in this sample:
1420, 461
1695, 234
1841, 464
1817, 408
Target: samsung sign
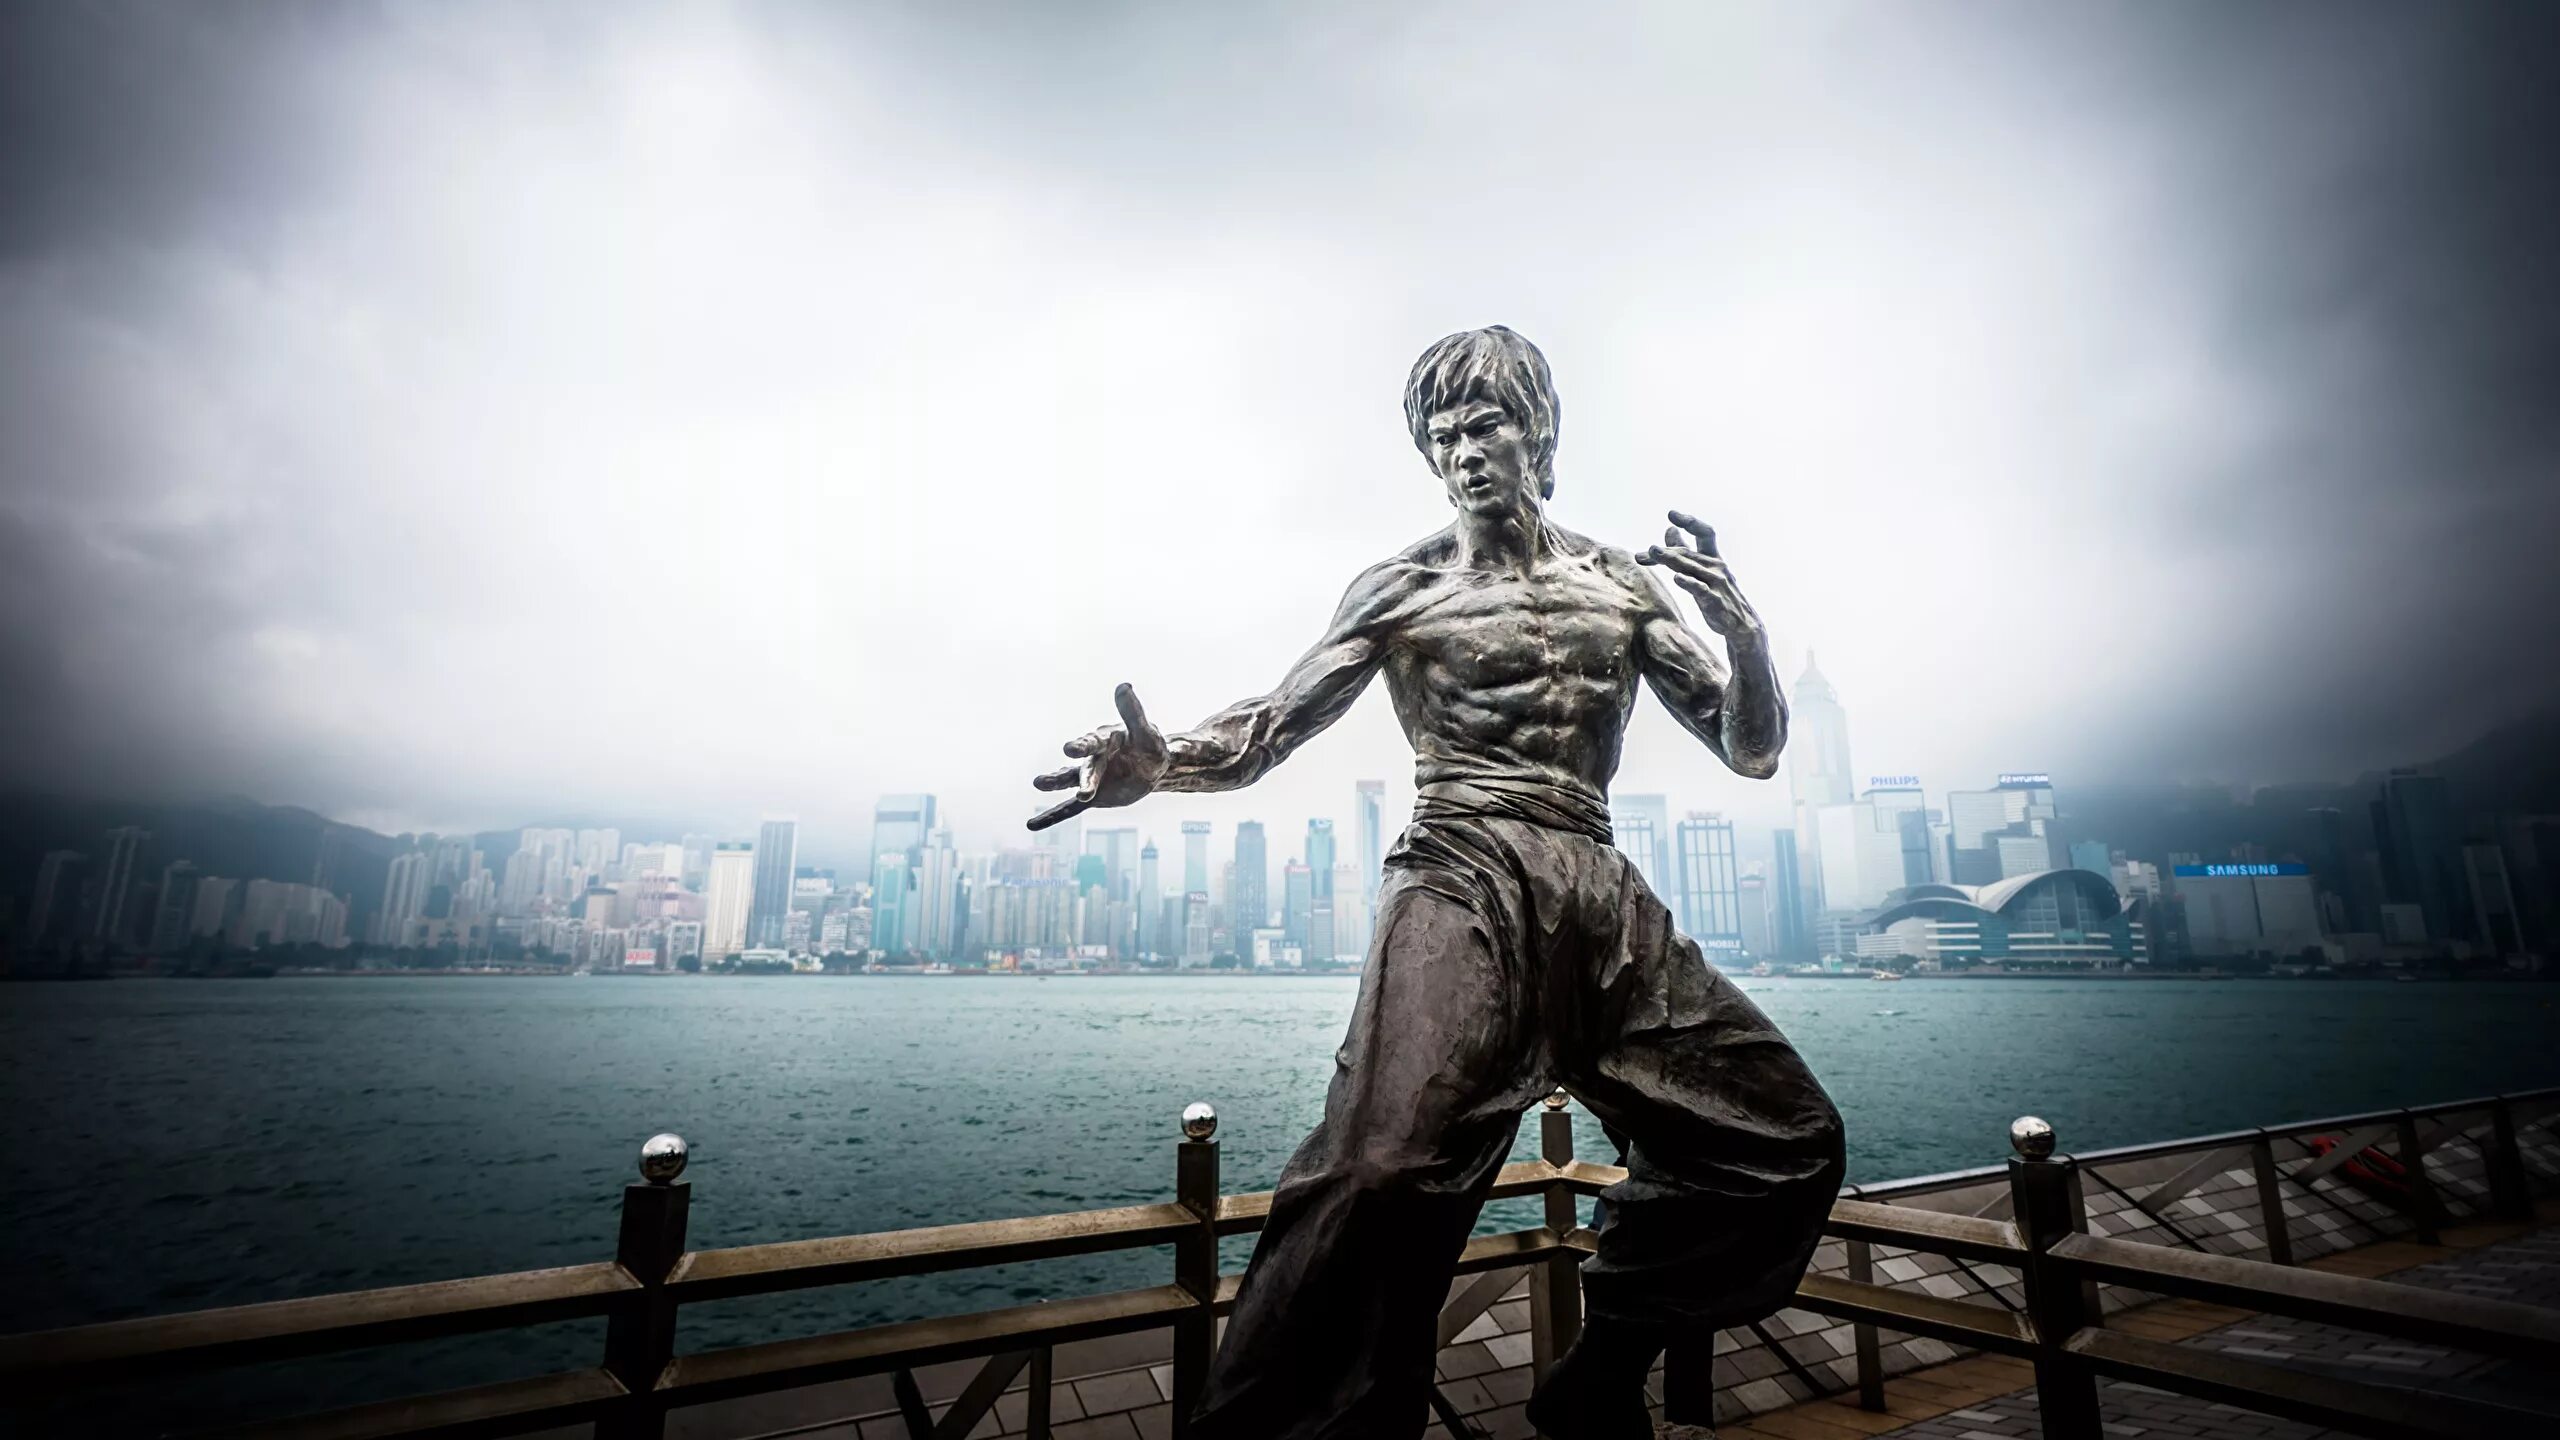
2224, 872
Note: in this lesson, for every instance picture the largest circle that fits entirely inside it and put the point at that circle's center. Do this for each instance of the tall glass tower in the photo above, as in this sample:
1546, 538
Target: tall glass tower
777, 850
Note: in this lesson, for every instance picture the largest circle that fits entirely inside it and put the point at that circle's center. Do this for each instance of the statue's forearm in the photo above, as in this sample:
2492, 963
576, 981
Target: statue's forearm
1227, 751
1753, 718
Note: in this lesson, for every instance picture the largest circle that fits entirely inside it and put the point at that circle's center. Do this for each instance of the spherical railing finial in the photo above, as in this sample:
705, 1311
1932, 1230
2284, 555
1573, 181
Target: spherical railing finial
662, 1157
1558, 1099
1199, 1120
2031, 1138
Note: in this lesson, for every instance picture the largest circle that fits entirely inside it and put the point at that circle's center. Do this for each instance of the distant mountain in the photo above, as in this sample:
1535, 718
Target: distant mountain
2514, 768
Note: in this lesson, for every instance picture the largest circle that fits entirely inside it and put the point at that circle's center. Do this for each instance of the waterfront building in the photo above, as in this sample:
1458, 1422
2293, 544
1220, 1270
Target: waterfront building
1353, 915
1152, 931
1791, 921
899, 824
172, 908
404, 899
1873, 846
216, 899
1195, 856
1758, 939
1195, 929
115, 883
1640, 825
777, 853
1320, 858
1297, 906
53, 907
1249, 891
2019, 809
2243, 909
1818, 773
2093, 856
1710, 890
938, 921
2421, 860
696, 865
2489, 897
729, 892
1117, 848
2058, 919
1368, 800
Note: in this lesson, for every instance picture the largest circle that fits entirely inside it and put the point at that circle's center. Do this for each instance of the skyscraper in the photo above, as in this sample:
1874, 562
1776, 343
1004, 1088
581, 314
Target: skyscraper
1368, 799
51, 909
1818, 773
899, 824
1320, 856
1791, 921
730, 892
1710, 893
177, 902
115, 883
2421, 861
1118, 847
777, 851
1249, 898
1151, 920
1641, 827
404, 897
1195, 857
1297, 905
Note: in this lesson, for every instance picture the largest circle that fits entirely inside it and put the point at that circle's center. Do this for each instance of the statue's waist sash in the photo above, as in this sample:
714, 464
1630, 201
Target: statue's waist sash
1528, 802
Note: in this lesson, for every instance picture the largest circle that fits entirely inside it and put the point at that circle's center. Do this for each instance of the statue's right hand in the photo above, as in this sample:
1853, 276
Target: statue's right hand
1117, 764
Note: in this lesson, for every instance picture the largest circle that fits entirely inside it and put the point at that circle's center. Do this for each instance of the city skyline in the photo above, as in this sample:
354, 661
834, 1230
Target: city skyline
338, 469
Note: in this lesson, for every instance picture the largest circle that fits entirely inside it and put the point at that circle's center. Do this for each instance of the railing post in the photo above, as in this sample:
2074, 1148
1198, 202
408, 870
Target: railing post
2045, 1193
2271, 1216
1870, 1352
2424, 1213
1035, 1420
2509, 1189
1195, 1259
1555, 1283
640, 1333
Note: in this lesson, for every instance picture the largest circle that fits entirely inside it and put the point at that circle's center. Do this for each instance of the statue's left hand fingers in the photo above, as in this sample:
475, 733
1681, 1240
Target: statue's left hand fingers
1065, 777
1706, 533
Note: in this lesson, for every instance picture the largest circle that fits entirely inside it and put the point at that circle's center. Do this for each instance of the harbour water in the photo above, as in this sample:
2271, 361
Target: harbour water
176, 1145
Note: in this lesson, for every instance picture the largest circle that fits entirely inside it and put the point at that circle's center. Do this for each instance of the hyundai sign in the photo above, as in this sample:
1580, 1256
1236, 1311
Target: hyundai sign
2027, 777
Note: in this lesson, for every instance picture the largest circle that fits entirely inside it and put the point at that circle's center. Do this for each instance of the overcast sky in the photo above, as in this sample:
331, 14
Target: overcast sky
451, 415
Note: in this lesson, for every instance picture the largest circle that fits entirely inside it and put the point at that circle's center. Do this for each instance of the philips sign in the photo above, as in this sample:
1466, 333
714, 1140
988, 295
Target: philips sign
1893, 782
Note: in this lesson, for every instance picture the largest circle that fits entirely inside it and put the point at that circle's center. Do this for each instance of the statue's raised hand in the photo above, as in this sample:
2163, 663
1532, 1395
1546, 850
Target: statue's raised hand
1118, 765
1703, 573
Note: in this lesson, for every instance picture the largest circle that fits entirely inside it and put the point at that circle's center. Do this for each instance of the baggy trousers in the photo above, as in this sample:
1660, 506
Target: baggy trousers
1510, 957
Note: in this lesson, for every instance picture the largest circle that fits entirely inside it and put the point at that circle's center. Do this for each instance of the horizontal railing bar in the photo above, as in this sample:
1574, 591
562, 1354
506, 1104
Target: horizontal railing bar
1935, 1231
1926, 1184
1915, 1313
2162, 1149
512, 1407
2410, 1312
2314, 1398
813, 1360
314, 1325
844, 1259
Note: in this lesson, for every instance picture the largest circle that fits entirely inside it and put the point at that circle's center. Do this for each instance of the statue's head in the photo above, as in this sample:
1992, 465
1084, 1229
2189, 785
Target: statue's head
1482, 408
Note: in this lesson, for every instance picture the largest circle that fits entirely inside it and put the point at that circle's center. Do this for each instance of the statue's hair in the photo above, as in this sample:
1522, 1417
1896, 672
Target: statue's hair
1494, 364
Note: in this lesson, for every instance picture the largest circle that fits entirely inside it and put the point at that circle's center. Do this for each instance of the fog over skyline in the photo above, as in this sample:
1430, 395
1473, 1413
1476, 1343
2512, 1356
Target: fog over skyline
460, 416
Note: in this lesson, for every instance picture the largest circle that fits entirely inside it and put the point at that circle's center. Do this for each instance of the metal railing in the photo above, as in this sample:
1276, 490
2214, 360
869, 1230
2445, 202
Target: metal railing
2059, 1326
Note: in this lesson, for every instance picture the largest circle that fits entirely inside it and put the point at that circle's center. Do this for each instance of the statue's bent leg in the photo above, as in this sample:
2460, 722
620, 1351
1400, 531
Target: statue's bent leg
1336, 1325
1734, 1152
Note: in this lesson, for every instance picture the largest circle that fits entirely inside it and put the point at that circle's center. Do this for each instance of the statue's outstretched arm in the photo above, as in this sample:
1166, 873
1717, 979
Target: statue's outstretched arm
1119, 764
1741, 714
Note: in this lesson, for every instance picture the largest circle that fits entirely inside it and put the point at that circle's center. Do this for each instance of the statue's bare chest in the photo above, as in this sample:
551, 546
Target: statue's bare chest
1494, 630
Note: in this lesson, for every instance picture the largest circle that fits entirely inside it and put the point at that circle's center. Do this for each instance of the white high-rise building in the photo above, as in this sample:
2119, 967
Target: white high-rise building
404, 897
729, 894
1818, 773
1368, 800
1195, 857
1641, 826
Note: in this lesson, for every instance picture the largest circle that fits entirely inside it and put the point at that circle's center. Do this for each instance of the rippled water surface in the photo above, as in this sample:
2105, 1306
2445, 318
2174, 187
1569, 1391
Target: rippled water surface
183, 1144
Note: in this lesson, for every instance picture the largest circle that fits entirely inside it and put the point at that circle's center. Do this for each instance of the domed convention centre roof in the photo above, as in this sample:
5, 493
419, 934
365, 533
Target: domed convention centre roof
1947, 902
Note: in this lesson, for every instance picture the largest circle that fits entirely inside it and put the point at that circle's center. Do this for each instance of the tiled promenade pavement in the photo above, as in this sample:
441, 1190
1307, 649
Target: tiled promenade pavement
1994, 1399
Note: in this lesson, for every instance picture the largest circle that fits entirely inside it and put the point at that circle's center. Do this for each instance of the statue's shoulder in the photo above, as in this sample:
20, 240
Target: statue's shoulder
1392, 586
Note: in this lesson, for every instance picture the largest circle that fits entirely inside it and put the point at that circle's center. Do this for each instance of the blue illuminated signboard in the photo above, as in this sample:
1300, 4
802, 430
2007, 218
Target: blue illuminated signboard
2239, 871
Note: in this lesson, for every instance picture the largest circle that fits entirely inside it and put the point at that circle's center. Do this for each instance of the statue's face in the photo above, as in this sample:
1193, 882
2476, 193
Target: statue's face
1482, 455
